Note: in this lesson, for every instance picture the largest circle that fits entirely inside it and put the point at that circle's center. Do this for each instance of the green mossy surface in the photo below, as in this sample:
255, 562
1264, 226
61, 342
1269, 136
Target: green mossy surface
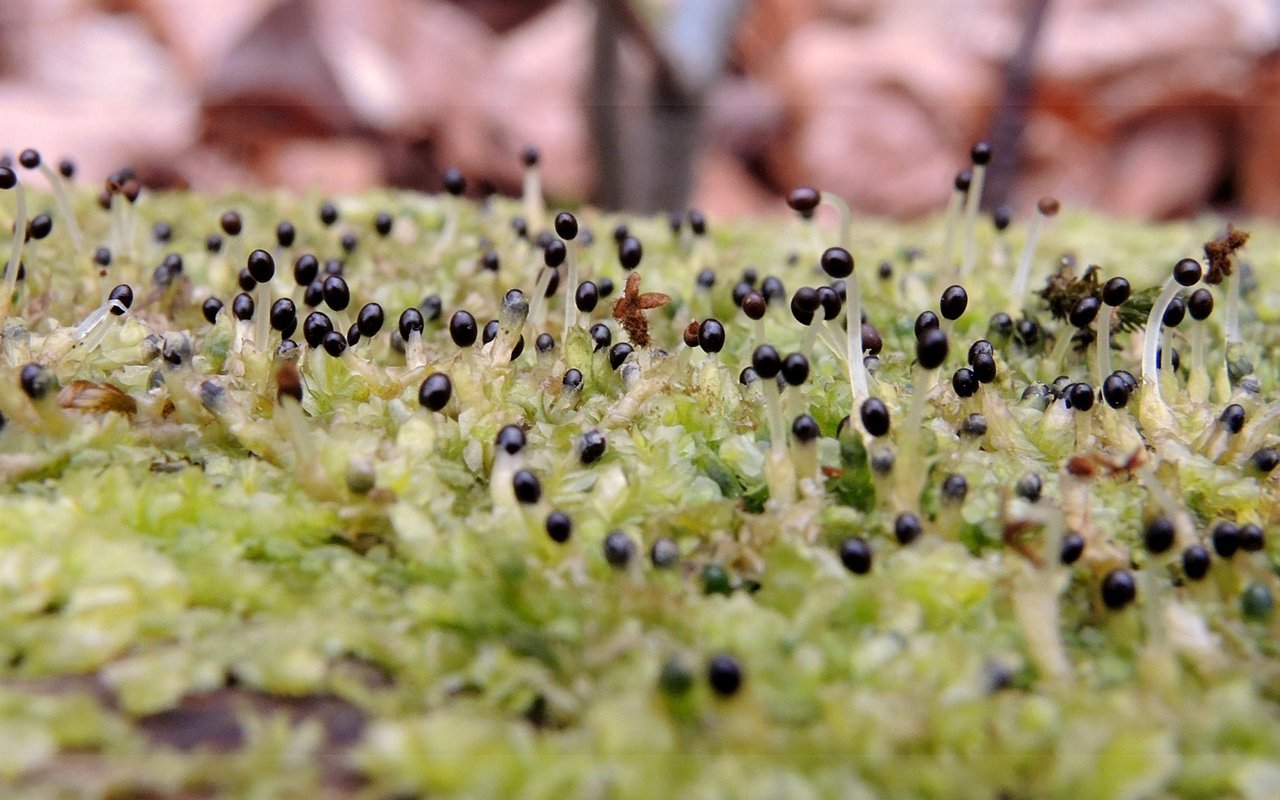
172, 570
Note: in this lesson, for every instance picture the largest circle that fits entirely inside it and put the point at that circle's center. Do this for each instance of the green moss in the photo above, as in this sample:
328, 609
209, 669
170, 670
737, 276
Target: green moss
155, 561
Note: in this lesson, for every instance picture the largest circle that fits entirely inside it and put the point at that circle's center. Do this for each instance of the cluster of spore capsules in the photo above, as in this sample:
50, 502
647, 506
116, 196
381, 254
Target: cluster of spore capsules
910, 387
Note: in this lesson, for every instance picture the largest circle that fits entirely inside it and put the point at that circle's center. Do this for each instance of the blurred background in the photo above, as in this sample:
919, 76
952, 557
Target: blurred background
1149, 108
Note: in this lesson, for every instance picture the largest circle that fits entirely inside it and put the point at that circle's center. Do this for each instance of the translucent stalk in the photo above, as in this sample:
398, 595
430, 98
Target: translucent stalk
805, 458
538, 305
1198, 377
1084, 428
372, 376
853, 322
972, 201
415, 351
806, 344
1151, 341
954, 206
90, 322
1233, 309
1103, 344
64, 204
262, 315
1022, 278
773, 408
570, 307
832, 340
846, 217
534, 207
95, 336
243, 331
911, 464
1059, 355
15, 250
1168, 379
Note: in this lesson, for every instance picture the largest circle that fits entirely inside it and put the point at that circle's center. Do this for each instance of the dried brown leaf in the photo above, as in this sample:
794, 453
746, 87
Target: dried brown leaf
96, 397
1219, 252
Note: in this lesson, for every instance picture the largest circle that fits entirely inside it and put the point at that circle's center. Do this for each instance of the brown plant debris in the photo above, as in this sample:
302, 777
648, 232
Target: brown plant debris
1218, 252
629, 310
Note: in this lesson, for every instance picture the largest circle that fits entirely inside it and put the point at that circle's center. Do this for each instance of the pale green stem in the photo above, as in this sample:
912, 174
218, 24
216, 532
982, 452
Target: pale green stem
846, 217
972, 201
954, 206
64, 204
1022, 278
15, 251
1104, 344
1151, 341
534, 207
1233, 309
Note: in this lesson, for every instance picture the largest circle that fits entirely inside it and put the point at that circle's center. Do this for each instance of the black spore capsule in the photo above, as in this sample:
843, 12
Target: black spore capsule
907, 528
1116, 391
1232, 418
231, 223
1116, 291
455, 183
618, 354
924, 321
954, 302
724, 674
1195, 562
1072, 548
315, 327
122, 294
586, 297
1158, 535
1200, 304
242, 306
1187, 272
261, 266
370, 319
601, 336
837, 262
306, 268
328, 213
1252, 538
335, 344
285, 233
795, 369
805, 429
566, 226
435, 391
36, 381
559, 526
1118, 589
1029, 487
283, 314
855, 554
527, 487
766, 361
210, 309
618, 548
875, 416
336, 293
1084, 311
931, 348
630, 252
711, 335
462, 328
591, 446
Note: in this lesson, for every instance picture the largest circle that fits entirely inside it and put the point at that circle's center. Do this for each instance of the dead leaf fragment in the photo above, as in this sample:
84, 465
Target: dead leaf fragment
96, 397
